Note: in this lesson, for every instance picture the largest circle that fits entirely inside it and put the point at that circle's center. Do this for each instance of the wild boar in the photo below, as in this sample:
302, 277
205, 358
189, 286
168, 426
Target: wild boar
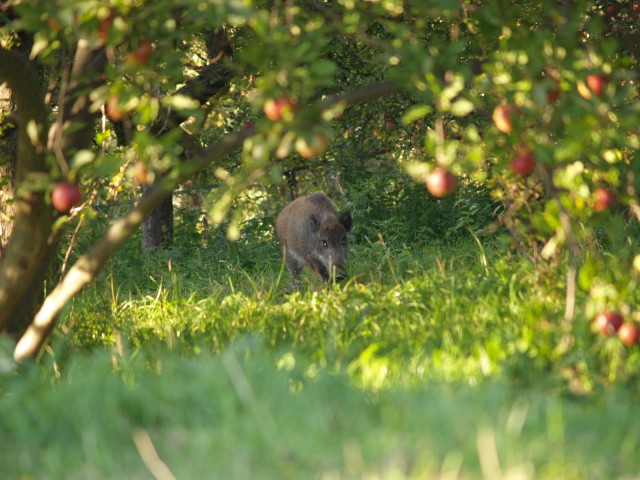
313, 234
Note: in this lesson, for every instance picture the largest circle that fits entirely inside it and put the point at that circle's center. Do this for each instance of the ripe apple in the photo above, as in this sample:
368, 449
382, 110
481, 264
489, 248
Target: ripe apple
523, 163
390, 126
629, 333
141, 54
54, 24
441, 182
503, 117
114, 111
140, 173
279, 108
312, 146
104, 26
604, 199
595, 85
553, 95
65, 195
607, 322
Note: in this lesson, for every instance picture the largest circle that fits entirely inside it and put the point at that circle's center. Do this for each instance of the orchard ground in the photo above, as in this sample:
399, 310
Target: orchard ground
437, 359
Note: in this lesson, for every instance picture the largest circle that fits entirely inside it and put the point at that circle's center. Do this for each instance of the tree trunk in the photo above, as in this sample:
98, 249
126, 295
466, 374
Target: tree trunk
8, 152
157, 229
28, 256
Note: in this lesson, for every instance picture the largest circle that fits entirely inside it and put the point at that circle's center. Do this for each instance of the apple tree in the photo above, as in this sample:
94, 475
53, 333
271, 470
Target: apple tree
535, 100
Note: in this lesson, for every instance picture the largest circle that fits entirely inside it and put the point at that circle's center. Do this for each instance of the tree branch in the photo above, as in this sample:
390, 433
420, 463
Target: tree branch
89, 265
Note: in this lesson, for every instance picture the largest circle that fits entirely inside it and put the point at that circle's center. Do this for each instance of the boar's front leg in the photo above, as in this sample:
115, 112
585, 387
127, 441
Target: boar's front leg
294, 267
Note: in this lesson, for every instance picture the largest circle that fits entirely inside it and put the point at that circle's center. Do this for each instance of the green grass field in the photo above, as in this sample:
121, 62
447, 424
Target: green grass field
434, 361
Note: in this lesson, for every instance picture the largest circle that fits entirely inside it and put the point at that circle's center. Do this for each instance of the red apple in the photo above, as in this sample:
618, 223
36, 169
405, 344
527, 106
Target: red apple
595, 85
114, 111
503, 117
141, 54
65, 195
105, 24
390, 126
54, 24
604, 199
279, 108
140, 173
523, 163
441, 182
310, 147
553, 95
629, 333
607, 322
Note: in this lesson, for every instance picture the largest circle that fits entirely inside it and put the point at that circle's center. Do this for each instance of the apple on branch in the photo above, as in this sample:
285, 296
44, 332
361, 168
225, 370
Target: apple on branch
629, 333
276, 109
604, 199
64, 196
553, 95
523, 163
607, 322
141, 54
115, 111
441, 182
504, 116
310, 146
595, 86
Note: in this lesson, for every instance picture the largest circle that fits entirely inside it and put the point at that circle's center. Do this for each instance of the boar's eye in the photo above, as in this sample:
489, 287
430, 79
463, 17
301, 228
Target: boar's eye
325, 244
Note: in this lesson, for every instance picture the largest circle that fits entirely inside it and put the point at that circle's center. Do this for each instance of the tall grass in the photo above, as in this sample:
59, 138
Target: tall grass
434, 360
458, 312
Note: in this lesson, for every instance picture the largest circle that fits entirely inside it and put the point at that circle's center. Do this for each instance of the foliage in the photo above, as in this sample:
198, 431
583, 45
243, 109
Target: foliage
450, 63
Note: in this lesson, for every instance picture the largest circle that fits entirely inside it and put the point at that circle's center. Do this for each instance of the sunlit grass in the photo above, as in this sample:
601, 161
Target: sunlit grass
431, 361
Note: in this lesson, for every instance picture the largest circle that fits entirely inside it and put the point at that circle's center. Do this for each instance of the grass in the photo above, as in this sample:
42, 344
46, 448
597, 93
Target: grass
433, 361
255, 412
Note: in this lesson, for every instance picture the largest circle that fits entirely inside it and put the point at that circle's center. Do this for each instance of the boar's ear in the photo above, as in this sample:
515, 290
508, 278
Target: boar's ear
345, 220
315, 223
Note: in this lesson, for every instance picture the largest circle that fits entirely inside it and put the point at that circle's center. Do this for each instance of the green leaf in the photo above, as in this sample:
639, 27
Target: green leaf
180, 102
462, 107
415, 113
323, 68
